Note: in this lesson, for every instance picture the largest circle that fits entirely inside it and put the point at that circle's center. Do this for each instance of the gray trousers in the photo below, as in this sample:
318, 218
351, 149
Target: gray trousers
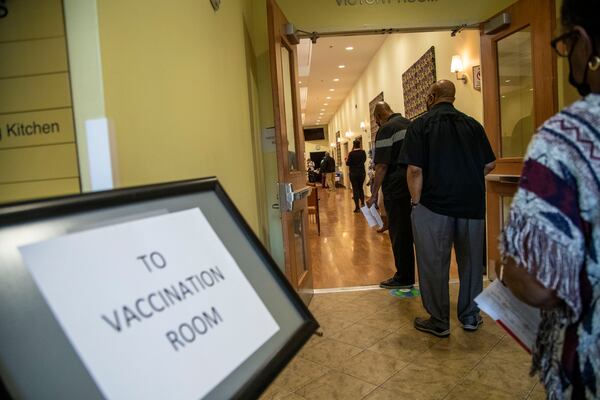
434, 236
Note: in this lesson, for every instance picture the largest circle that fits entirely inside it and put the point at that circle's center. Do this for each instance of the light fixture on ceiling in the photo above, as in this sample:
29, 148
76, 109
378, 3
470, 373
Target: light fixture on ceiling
341, 66
325, 104
322, 109
349, 48
332, 90
299, 82
507, 81
328, 97
456, 67
336, 79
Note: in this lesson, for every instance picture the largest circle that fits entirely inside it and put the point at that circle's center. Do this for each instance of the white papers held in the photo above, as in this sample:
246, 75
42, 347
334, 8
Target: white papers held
517, 318
372, 216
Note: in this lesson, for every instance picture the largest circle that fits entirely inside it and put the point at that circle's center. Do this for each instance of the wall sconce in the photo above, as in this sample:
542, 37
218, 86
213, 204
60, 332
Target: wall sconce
332, 144
339, 140
363, 126
457, 67
348, 134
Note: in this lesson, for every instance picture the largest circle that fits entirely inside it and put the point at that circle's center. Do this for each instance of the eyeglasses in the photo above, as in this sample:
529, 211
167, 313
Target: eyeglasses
564, 43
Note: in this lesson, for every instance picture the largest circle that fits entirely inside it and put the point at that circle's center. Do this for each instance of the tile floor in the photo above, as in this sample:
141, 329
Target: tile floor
369, 350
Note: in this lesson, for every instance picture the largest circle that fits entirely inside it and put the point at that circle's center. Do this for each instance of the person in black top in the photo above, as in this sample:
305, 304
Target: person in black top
356, 161
328, 169
391, 177
448, 155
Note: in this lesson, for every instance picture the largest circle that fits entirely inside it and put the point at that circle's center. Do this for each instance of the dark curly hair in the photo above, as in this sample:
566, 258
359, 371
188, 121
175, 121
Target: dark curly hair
585, 13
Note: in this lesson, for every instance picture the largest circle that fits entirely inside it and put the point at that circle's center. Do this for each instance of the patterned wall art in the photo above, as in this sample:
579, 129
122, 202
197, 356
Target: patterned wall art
374, 126
415, 83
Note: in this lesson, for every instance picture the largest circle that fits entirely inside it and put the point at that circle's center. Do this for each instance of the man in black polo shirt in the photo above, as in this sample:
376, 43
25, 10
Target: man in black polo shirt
448, 155
391, 177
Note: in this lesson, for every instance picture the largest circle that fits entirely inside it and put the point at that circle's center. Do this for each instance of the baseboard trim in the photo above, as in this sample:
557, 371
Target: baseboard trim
369, 287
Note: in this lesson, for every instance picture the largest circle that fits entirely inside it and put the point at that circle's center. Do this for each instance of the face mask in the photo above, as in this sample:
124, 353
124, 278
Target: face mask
429, 102
582, 87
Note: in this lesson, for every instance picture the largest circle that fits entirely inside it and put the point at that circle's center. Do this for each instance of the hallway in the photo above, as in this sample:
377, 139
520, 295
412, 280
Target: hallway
349, 253
371, 351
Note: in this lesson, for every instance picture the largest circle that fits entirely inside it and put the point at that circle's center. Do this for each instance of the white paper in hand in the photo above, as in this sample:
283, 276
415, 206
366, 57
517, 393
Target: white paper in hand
520, 320
376, 216
368, 216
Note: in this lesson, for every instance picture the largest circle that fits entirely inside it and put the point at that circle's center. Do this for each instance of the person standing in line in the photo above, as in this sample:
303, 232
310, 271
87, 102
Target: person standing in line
551, 244
356, 162
448, 155
330, 172
323, 170
391, 177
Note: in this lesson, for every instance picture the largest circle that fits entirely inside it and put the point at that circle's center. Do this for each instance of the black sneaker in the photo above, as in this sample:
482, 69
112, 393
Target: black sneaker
392, 283
426, 325
472, 323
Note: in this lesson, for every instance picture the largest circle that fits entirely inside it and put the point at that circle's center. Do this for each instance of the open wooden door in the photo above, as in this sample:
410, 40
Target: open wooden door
519, 94
293, 191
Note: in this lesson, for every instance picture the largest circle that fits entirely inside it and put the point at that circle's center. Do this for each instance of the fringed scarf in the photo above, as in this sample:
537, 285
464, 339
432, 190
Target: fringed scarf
554, 233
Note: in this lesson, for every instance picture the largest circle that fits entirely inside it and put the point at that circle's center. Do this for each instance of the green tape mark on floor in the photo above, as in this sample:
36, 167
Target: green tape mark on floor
405, 293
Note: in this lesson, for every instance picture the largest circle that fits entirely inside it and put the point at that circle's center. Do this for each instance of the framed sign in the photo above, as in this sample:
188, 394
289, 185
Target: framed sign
477, 77
153, 292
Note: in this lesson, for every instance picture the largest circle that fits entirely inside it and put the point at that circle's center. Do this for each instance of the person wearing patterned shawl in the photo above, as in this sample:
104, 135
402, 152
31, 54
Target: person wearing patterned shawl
551, 244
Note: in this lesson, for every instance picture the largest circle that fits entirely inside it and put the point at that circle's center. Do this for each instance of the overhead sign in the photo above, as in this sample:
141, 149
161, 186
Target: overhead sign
380, 2
156, 308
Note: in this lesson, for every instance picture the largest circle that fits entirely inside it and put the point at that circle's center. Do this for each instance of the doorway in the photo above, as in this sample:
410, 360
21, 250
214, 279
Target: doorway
345, 245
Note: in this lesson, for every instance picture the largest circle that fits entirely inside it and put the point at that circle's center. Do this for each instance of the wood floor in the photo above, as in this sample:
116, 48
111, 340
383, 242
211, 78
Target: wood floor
349, 253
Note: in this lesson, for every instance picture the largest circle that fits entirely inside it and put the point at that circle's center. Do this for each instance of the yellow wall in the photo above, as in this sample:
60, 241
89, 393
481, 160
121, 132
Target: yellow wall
384, 73
177, 91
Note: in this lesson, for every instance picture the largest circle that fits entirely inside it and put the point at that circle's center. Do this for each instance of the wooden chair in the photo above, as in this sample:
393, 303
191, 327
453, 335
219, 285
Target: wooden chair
313, 208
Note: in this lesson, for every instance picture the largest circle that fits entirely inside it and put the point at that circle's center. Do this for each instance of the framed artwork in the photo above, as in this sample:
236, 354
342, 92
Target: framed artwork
374, 126
415, 83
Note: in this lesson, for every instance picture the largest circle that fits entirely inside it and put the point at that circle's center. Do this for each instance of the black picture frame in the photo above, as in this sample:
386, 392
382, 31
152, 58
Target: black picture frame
23, 212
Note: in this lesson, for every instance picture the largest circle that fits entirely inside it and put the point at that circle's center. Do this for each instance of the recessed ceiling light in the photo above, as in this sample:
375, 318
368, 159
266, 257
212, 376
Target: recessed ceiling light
341, 66
325, 104
328, 97
300, 82
349, 48
503, 97
507, 81
336, 80
531, 89
332, 90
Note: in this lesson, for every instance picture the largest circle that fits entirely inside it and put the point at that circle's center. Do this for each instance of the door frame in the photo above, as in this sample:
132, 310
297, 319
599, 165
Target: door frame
540, 15
300, 276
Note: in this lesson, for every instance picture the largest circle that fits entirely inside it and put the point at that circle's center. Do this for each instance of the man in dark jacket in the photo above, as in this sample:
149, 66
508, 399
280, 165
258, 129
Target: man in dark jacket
391, 177
328, 168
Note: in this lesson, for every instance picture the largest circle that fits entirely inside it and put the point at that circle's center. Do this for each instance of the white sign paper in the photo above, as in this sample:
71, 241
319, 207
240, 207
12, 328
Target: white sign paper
156, 308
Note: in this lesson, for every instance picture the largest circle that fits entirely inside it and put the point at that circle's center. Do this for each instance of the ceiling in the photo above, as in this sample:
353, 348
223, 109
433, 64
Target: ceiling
319, 63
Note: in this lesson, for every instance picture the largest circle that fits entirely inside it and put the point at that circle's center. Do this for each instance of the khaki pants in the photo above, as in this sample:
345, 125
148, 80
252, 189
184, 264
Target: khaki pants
330, 176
